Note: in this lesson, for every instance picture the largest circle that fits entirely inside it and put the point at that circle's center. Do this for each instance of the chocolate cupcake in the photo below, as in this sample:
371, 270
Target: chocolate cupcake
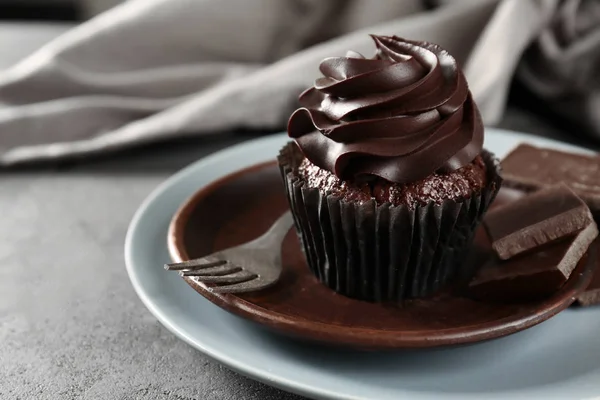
387, 178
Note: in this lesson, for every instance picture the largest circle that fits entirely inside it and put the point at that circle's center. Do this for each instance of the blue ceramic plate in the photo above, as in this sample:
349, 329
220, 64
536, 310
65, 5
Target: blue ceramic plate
558, 359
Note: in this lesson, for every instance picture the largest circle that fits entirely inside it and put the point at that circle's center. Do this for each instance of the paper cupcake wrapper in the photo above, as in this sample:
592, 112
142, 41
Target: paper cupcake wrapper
383, 252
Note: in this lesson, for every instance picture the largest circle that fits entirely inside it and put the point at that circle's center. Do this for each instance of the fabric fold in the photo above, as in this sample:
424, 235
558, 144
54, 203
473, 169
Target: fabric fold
206, 68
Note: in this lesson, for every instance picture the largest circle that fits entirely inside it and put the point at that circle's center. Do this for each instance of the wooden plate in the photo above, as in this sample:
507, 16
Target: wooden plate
243, 205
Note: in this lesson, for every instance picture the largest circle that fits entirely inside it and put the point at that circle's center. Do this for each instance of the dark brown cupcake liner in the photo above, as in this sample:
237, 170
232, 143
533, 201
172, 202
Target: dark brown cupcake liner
383, 252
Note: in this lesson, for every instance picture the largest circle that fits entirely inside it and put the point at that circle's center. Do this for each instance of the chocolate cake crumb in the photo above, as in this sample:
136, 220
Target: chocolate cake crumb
436, 188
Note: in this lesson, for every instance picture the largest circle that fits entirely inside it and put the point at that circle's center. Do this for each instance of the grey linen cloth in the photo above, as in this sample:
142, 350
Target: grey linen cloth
563, 65
150, 70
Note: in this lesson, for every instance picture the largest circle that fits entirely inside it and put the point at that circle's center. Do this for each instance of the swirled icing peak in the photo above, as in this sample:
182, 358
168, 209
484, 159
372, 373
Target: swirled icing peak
401, 115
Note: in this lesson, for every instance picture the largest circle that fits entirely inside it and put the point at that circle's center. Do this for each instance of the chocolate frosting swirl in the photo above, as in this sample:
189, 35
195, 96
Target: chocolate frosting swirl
401, 115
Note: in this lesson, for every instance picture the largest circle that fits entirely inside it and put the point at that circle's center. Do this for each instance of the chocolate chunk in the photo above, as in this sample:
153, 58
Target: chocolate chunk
533, 275
550, 214
531, 168
591, 295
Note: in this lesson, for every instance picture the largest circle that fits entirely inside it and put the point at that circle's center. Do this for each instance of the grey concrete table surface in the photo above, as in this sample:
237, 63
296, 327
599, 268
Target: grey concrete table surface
71, 326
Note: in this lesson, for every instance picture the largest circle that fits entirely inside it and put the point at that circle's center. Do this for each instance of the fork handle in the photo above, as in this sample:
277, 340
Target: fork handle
275, 235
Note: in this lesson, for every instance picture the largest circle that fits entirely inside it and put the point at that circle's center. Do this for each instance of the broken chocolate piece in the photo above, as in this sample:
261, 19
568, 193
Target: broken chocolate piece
537, 219
531, 168
534, 275
591, 295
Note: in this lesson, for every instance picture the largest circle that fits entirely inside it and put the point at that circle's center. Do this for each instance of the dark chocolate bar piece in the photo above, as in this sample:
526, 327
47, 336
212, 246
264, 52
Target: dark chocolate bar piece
532, 168
591, 295
534, 275
542, 217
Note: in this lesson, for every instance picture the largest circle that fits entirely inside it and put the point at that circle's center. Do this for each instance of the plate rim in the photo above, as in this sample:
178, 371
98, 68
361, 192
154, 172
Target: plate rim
265, 376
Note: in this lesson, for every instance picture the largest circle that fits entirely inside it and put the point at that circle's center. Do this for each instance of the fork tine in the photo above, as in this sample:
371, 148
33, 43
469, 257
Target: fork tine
225, 269
247, 286
236, 277
199, 263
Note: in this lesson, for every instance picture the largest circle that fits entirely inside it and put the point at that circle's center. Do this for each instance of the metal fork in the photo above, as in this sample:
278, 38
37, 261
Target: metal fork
249, 267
